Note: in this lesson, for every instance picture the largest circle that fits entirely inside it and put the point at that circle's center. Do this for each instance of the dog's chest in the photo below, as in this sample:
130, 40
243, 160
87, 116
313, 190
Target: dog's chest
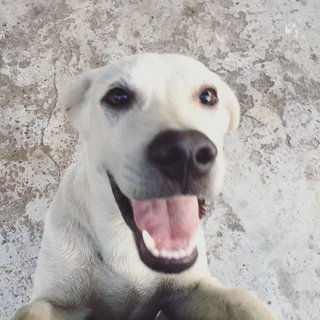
125, 296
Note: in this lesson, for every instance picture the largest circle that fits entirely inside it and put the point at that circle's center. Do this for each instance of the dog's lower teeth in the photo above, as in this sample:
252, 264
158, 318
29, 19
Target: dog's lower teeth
167, 254
174, 254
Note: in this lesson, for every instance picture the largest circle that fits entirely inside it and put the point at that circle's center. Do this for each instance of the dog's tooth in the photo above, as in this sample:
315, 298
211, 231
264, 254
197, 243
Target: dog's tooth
194, 240
148, 240
175, 255
192, 244
150, 243
155, 252
182, 253
189, 250
164, 253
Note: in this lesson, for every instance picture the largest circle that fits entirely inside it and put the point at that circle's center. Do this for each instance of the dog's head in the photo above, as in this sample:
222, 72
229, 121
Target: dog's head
155, 124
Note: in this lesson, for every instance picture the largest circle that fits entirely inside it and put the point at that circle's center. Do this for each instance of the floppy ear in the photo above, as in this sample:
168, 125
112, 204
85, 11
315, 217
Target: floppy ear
230, 102
73, 94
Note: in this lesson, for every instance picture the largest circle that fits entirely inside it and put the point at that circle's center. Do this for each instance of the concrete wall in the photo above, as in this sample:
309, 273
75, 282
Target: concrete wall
264, 231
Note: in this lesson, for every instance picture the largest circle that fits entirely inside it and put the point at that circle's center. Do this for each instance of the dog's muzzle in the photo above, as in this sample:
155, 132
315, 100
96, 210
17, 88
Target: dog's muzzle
166, 229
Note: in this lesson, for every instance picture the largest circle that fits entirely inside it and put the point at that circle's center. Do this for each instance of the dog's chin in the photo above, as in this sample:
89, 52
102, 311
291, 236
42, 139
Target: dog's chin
165, 230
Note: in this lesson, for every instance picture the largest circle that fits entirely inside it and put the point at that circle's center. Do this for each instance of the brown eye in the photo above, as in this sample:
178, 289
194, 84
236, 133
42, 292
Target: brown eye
208, 97
118, 98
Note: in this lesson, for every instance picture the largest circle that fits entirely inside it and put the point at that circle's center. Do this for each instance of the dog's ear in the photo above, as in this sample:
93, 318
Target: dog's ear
73, 93
230, 102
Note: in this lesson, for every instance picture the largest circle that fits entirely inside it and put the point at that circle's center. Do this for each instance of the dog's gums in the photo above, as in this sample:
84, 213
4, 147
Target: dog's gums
165, 230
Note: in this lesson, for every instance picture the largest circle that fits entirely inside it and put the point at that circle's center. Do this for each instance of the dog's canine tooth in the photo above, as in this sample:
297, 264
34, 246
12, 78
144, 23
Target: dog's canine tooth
148, 240
155, 252
189, 250
193, 242
150, 243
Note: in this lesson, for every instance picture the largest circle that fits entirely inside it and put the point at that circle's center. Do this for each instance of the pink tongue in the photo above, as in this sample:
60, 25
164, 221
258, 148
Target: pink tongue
171, 222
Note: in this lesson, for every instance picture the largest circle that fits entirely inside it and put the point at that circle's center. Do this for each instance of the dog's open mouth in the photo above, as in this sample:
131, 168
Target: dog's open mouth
165, 229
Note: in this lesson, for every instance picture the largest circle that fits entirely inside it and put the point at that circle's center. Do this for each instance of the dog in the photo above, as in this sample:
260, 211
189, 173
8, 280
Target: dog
122, 238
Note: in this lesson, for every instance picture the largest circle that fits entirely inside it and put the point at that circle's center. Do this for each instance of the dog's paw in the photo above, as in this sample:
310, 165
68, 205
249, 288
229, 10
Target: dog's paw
244, 305
40, 310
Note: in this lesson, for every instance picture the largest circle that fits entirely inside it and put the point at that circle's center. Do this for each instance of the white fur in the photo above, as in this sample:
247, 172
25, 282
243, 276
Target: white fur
88, 252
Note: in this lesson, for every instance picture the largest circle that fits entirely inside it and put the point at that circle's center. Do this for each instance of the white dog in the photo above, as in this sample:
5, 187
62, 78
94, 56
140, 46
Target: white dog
122, 237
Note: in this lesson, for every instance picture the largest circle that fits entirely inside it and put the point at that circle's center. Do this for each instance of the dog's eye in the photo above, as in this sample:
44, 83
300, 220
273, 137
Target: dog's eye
208, 97
118, 98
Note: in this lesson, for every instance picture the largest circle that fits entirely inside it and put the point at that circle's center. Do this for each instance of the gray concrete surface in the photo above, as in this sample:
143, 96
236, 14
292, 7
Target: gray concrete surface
264, 230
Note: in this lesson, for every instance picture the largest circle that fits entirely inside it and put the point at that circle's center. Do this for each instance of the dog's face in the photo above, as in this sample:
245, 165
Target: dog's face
155, 124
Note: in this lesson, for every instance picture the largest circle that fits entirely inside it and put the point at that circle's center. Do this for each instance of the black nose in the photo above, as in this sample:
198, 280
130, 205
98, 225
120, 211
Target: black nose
182, 155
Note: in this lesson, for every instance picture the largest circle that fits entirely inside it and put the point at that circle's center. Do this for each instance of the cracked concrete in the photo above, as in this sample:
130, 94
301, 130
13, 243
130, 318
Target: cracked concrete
263, 232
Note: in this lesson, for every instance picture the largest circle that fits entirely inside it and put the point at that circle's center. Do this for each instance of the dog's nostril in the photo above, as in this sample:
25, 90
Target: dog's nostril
205, 155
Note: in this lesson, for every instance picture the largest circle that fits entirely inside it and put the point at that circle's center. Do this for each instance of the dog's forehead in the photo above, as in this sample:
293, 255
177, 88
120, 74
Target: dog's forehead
165, 66
158, 71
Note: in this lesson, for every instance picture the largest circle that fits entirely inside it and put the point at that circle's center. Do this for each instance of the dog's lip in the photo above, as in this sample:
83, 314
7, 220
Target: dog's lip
160, 264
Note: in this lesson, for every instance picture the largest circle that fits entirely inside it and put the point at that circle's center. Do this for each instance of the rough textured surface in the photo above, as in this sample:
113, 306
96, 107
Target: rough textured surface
263, 232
